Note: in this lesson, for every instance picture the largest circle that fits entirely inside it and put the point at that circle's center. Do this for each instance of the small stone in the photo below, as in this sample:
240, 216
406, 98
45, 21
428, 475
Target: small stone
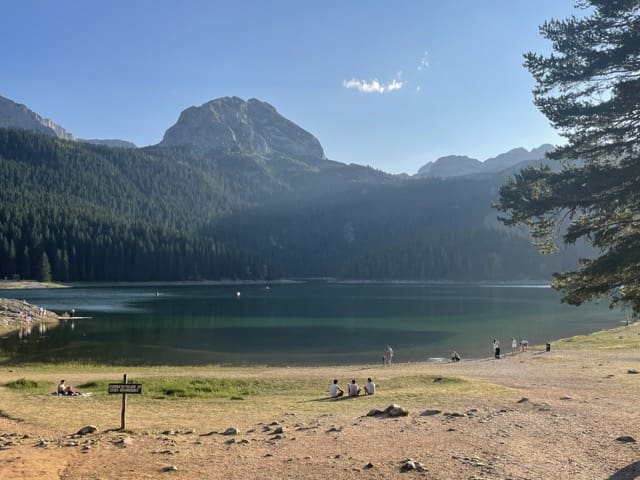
632, 371
523, 400
408, 465
124, 441
428, 413
369, 465
279, 430
230, 431
626, 439
170, 468
87, 430
396, 411
566, 398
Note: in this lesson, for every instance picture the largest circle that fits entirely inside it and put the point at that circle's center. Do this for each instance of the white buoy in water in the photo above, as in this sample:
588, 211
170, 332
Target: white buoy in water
237, 294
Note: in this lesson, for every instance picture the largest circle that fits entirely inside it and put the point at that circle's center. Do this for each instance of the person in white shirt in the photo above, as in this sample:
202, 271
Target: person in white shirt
335, 389
388, 356
370, 387
354, 389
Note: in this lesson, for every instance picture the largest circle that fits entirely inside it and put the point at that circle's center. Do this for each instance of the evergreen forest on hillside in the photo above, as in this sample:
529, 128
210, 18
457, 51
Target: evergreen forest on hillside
73, 211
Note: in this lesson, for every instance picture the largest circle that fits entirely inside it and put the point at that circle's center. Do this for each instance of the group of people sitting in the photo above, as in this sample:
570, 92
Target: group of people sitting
65, 389
353, 390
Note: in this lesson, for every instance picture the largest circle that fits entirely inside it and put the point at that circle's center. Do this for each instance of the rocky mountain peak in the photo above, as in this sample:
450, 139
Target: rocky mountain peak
16, 115
458, 165
249, 127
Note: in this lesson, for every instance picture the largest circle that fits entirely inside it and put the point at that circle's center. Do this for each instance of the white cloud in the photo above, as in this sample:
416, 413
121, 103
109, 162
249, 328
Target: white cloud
374, 86
394, 85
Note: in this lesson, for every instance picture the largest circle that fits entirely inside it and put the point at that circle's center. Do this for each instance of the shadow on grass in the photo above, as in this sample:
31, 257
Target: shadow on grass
336, 399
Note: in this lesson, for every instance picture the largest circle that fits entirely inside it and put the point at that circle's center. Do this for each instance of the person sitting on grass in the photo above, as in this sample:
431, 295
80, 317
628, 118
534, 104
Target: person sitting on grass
370, 387
65, 389
354, 389
335, 389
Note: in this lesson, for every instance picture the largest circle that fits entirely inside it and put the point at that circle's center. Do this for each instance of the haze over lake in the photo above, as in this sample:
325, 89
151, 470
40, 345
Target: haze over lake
296, 324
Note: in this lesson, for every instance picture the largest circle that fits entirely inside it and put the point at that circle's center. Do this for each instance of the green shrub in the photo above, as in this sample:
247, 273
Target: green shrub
26, 384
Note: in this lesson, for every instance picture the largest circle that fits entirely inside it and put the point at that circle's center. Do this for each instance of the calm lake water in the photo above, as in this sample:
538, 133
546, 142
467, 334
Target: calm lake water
295, 324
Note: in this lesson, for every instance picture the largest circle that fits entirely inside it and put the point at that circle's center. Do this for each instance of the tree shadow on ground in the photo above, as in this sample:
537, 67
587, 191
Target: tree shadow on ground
630, 472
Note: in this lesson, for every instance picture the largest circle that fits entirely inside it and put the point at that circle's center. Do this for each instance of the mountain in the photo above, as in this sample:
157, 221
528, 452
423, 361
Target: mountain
16, 115
235, 190
458, 166
113, 143
233, 125
450, 166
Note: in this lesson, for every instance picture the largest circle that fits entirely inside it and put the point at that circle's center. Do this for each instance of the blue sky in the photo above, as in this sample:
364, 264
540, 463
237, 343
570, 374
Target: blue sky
387, 84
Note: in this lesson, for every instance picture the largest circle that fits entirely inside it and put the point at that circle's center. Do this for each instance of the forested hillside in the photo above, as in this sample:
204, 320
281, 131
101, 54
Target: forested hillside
76, 211
72, 211
421, 229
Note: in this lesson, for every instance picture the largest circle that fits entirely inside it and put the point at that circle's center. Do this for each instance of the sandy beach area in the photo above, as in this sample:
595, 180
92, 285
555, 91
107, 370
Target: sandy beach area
571, 413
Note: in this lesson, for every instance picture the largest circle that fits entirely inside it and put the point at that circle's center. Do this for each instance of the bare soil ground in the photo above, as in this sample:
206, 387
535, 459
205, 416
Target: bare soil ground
534, 415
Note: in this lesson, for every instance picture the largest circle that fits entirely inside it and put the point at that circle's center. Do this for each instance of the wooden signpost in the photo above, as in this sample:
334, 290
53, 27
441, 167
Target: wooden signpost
124, 388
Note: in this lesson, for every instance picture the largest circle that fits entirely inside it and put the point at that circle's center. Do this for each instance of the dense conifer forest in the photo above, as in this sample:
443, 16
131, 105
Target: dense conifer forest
74, 211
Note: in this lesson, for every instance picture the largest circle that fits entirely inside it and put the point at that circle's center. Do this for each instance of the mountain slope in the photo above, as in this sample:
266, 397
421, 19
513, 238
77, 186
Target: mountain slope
459, 166
16, 115
233, 125
236, 190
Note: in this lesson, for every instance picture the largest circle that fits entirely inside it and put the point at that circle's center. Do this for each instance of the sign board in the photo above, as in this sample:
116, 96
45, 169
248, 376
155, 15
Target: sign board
125, 388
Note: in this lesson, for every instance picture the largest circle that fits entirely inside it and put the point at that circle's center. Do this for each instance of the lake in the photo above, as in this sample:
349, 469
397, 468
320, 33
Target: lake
305, 323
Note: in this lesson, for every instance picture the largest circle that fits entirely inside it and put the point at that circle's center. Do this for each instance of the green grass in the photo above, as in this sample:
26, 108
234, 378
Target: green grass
24, 384
621, 338
196, 387
230, 388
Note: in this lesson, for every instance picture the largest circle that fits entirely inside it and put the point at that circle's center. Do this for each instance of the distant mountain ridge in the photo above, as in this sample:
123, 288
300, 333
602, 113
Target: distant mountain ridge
109, 142
17, 115
458, 166
235, 190
233, 126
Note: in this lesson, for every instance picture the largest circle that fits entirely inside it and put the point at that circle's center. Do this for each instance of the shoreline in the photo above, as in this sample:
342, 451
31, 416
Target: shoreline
32, 284
472, 419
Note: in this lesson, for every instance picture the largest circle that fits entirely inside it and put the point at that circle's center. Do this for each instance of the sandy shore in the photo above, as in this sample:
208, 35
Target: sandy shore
571, 413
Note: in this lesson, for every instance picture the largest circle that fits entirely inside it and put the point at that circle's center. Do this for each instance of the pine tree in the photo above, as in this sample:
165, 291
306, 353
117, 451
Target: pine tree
589, 88
44, 269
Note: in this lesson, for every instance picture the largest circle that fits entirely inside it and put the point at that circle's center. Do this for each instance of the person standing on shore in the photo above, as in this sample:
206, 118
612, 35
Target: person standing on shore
496, 348
514, 346
388, 356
